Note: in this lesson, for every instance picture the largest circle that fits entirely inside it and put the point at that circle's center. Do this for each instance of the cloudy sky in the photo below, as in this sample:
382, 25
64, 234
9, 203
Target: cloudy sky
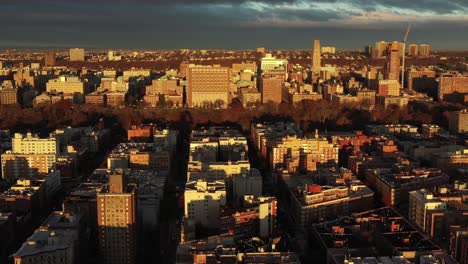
230, 24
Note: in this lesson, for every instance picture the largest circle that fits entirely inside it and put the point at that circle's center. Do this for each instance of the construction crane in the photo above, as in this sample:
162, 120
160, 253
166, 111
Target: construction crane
404, 56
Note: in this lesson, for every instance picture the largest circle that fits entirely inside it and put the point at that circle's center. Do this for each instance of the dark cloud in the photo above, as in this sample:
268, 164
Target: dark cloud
222, 23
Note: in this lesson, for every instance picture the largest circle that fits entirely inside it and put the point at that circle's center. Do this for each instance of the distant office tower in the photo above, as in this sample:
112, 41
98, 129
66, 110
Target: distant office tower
208, 85
49, 59
116, 213
424, 50
316, 59
272, 89
261, 50
380, 49
413, 50
393, 62
77, 54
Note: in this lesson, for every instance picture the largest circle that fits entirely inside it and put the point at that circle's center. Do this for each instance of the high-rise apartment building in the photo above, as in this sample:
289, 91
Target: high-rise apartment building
32, 144
458, 121
117, 223
421, 79
208, 85
388, 88
421, 201
30, 156
77, 54
66, 85
50, 59
380, 49
393, 62
424, 50
450, 83
15, 166
203, 201
316, 57
272, 89
305, 151
413, 50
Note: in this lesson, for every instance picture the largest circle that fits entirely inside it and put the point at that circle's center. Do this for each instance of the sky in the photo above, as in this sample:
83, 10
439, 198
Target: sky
230, 24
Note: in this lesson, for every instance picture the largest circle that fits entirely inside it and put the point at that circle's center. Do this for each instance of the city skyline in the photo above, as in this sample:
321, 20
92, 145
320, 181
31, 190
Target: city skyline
207, 24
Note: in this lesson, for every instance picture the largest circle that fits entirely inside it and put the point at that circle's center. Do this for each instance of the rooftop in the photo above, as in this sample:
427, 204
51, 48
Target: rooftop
61, 220
43, 241
354, 231
399, 176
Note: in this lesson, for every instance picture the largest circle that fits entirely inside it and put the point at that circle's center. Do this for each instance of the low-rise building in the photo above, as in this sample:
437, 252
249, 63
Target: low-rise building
310, 203
393, 185
257, 217
382, 231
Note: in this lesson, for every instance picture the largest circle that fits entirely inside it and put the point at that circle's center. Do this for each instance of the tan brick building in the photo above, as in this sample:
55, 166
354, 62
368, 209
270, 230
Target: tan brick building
208, 85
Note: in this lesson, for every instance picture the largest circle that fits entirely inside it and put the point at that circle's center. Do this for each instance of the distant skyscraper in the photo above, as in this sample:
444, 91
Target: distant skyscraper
77, 54
424, 50
380, 49
413, 50
49, 59
393, 62
116, 213
368, 50
316, 59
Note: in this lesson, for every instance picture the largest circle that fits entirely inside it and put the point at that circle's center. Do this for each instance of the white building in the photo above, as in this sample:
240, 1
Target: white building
203, 201
421, 201
269, 63
32, 144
